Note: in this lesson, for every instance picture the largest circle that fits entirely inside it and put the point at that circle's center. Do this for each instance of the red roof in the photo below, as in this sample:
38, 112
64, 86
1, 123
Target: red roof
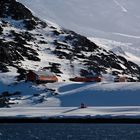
86, 79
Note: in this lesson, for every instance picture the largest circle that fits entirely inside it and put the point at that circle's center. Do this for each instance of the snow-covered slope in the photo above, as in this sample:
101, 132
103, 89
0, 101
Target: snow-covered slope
120, 48
117, 20
27, 42
113, 16
102, 100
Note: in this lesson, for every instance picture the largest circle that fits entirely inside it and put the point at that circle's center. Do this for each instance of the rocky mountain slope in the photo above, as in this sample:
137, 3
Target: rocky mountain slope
112, 24
26, 43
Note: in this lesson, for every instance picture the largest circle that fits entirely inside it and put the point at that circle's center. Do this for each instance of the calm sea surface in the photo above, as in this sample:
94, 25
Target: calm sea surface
61, 131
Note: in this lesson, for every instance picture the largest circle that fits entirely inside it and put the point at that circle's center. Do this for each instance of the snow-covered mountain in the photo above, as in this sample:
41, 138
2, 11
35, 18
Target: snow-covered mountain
114, 20
87, 17
27, 42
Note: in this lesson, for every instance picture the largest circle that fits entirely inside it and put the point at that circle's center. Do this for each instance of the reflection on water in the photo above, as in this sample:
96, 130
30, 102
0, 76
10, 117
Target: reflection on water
61, 131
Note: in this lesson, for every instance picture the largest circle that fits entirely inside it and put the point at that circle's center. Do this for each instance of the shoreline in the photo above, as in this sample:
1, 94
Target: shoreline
71, 120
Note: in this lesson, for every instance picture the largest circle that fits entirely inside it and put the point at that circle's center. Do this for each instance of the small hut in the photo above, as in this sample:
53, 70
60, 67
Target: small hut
87, 78
41, 76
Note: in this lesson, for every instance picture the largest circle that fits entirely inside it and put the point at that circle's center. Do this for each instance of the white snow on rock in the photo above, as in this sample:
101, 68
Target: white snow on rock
123, 49
117, 20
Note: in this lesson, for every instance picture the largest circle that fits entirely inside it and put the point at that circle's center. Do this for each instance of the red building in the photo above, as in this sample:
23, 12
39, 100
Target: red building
41, 76
86, 79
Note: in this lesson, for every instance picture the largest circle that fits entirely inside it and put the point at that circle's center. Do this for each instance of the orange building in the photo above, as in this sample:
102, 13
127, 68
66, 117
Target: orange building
86, 79
41, 76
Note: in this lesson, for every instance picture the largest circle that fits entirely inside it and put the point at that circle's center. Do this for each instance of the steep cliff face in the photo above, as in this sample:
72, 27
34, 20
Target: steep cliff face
15, 22
26, 42
16, 11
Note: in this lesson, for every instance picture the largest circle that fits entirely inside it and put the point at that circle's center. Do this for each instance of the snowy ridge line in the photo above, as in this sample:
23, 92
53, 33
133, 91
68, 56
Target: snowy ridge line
126, 35
84, 88
126, 50
122, 7
110, 10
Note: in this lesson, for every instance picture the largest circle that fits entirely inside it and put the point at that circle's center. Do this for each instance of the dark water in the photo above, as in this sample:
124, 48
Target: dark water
46, 131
